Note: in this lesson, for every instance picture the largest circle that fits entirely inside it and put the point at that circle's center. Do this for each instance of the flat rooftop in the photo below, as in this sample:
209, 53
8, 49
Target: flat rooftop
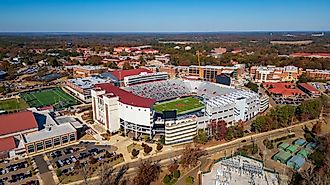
88, 82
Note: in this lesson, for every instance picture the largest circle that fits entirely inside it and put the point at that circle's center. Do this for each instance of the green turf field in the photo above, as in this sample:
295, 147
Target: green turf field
55, 97
182, 105
13, 104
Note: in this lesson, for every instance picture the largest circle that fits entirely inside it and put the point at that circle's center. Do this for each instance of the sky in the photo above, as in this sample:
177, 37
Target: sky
163, 15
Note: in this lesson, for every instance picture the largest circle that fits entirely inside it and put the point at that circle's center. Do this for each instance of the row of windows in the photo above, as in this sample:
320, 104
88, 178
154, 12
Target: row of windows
50, 143
223, 111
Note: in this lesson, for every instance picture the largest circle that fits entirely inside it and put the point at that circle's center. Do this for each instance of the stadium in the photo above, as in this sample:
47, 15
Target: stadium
173, 108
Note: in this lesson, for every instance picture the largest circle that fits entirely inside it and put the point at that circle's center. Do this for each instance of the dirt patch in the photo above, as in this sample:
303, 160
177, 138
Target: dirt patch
180, 105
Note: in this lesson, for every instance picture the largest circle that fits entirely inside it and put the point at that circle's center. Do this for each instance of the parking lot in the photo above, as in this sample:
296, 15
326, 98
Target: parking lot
65, 158
17, 172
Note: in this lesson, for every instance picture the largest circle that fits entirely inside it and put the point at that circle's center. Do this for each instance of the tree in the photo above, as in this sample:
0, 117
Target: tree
190, 156
147, 172
201, 137
317, 128
189, 180
173, 166
218, 129
94, 60
108, 175
127, 66
92, 160
176, 174
159, 146
166, 179
254, 87
58, 172
135, 152
77, 165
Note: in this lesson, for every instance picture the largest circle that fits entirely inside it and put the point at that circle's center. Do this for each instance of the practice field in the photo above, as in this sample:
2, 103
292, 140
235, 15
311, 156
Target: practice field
11, 105
45, 97
182, 105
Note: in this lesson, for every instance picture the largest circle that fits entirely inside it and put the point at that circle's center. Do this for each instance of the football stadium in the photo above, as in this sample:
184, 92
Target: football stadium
173, 108
55, 97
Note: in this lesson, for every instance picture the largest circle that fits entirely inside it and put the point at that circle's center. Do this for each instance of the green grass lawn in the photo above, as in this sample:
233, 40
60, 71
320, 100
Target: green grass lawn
13, 104
55, 96
182, 105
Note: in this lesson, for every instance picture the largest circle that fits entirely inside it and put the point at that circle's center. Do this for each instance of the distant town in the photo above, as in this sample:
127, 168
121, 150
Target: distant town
165, 108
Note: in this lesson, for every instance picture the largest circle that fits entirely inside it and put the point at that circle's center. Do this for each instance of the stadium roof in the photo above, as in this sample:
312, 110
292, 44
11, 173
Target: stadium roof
127, 97
121, 74
17, 122
7, 144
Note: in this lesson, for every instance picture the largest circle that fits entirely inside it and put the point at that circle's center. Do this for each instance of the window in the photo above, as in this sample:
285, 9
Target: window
72, 137
30, 148
57, 141
65, 139
40, 146
48, 144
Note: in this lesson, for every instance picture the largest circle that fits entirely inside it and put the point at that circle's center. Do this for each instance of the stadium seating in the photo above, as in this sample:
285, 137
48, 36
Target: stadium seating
161, 90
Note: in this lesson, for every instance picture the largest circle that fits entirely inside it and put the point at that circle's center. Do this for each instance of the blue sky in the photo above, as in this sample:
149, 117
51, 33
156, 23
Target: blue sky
163, 15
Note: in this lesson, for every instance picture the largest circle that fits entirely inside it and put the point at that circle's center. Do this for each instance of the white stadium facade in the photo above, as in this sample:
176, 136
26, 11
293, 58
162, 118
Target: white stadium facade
131, 109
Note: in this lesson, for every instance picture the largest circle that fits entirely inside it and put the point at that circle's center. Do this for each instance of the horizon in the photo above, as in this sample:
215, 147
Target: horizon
146, 16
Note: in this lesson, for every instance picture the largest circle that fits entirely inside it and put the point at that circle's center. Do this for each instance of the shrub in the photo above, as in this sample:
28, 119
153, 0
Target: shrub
166, 179
159, 146
58, 172
147, 149
135, 152
176, 174
189, 180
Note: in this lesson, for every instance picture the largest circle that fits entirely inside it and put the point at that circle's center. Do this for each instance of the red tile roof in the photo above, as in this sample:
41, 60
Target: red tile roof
282, 88
7, 144
310, 88
120, 74
127, 97
17, 122
310, 55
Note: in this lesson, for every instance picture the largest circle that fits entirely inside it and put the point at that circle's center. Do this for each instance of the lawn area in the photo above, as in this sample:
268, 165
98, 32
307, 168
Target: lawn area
13, 104
54, 96
181, 105
132, 146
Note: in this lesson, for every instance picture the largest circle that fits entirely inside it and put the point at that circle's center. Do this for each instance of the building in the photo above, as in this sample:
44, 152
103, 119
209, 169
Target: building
209, 73
2, 75
132, 108
32, 131
309, 89
81, 87
311, 55
237, 170
135, 76
318, 74
284, 92
87, 71
262, 74
217, 52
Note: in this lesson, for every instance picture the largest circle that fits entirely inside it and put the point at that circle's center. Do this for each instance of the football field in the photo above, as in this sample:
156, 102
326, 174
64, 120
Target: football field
181, 105
11, 105
45, 97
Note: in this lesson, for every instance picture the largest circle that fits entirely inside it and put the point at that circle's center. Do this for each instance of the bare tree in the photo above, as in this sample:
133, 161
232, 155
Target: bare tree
191, 155
108, 175
147, 172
